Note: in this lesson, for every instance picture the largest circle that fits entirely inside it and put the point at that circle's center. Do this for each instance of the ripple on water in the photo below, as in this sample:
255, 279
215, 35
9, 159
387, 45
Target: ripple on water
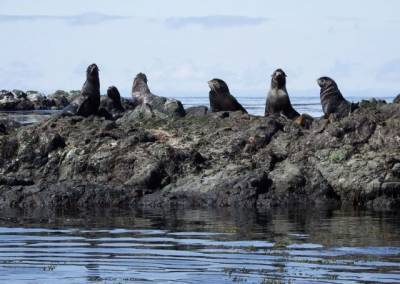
256, 249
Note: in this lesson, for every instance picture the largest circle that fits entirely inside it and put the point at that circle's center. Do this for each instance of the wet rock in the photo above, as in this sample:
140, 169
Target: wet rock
372, 102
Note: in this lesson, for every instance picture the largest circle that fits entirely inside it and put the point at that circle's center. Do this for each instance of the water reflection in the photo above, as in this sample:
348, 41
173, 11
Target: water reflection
28, 117
192, 246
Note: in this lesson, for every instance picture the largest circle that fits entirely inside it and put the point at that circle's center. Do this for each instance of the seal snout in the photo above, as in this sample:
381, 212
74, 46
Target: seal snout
278, 74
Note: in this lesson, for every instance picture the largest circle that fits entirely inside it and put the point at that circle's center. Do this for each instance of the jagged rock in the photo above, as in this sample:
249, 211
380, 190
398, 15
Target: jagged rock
197, 111
18, 100
148, 158
397, 99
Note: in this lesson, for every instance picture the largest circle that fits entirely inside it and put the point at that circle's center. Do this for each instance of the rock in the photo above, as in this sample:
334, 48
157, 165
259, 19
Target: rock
198, 111
396, 100
61, 98
372, 102
7, 125
149, 158
18, 100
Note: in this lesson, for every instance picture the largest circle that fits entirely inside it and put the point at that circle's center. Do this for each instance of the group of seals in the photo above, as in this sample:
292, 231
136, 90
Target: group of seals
89, 102
278, 101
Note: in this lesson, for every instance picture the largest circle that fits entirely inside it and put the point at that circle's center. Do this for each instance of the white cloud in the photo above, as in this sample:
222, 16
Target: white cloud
82, 19
214, 21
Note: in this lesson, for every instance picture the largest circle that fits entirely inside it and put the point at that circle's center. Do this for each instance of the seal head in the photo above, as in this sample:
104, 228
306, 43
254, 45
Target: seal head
140, 84
92, 73
218, 86
278, 79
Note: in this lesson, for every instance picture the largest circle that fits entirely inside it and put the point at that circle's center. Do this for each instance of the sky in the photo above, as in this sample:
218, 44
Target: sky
181, 44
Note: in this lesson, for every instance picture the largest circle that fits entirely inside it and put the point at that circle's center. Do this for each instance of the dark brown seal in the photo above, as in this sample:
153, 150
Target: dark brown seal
278, 101
332, 100
115, 98
89, 100
221, 98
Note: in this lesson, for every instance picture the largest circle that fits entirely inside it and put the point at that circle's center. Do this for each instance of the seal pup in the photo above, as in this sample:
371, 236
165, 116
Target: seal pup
88, 102
332, 101
278, 101
221, 98
114, 102
142, 95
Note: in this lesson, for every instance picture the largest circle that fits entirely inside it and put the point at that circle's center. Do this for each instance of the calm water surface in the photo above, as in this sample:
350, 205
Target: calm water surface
254, 105
198, 246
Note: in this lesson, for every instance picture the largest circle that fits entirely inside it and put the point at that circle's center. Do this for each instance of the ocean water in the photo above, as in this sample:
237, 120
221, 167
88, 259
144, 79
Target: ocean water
201, 246
256, 104
253, 104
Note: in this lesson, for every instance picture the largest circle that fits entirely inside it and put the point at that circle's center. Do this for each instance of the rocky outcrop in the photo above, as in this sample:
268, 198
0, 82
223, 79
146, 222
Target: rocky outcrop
17, 100
146, 158
397, 99
7, 125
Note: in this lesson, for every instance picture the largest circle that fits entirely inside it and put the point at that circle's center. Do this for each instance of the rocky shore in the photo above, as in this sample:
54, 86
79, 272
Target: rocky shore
146, 158
17, 100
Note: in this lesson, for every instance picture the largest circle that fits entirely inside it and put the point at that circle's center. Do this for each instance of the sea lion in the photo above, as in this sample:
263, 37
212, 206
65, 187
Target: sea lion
88, 102
141, 95
278, 101
332, 100
221, 98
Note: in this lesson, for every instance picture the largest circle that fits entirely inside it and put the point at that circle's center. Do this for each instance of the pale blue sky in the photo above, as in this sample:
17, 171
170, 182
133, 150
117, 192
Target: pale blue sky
181, 44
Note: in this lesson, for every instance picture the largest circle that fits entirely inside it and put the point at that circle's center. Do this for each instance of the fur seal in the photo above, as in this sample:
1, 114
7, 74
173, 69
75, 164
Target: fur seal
278, 101
114, 99
221, 98
142, 95
89, 100
140, 86
332, 100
